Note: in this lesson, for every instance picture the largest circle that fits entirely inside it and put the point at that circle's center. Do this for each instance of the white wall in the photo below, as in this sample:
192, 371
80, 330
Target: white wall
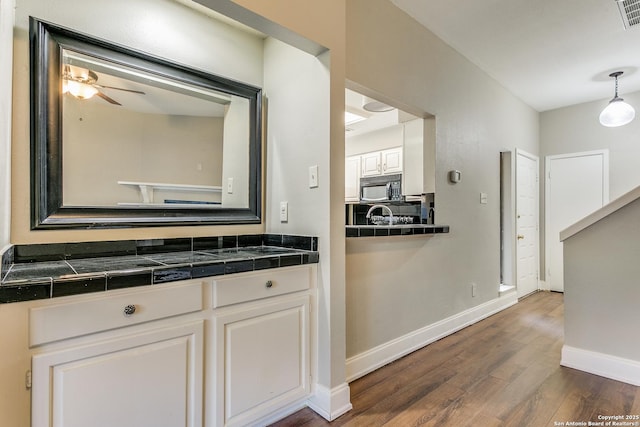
236, 154
399, 285
576, 128
6, 57
143, 147
381, 139
601, 273
298, 137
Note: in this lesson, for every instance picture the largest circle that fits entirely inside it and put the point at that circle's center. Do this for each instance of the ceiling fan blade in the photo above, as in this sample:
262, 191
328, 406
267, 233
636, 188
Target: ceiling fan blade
120, 88
108, 99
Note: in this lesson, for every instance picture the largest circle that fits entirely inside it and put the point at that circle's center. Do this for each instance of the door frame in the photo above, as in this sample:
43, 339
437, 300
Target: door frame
547, 163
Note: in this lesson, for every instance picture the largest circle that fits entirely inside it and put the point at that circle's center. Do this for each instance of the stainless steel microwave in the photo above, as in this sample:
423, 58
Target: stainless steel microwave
384, 188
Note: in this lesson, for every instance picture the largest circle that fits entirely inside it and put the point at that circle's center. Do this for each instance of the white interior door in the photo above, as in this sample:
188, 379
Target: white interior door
576, 185
527, 241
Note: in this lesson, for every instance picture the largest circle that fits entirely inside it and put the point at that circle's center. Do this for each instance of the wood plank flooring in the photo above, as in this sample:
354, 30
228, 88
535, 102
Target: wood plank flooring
502, 371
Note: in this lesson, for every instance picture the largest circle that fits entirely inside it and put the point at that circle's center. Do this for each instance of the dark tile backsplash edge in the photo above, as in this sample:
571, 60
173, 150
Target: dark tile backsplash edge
63, 251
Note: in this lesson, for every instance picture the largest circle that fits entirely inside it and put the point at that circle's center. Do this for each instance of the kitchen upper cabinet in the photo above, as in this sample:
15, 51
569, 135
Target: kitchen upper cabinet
382, 162
392, 161
419, 157
371, 164
352, 179
413, 147
150, 373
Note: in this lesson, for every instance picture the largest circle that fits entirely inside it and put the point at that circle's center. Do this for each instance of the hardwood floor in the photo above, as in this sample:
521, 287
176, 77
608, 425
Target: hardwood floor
502, 371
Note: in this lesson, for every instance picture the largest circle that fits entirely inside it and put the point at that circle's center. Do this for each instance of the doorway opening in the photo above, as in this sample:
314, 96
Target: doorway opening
507, 215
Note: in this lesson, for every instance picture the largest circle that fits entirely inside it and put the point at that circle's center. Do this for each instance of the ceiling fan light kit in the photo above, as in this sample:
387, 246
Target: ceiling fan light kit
79, 90
618, 112
82, 83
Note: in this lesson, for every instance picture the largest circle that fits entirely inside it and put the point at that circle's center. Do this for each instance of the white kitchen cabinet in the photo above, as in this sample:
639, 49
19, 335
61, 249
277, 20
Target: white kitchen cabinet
371, 164
413, 182
262, 347
352, 179
419, 157
382, 162
391, 160
146, 374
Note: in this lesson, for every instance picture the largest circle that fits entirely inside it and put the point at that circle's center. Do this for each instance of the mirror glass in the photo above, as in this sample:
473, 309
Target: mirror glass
123, 138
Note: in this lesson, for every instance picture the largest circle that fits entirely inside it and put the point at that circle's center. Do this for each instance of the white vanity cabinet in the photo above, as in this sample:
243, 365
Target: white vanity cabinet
262, 343
230, 350
130, 359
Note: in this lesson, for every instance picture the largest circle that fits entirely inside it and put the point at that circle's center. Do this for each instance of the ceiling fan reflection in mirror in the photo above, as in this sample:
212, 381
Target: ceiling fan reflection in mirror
82, 83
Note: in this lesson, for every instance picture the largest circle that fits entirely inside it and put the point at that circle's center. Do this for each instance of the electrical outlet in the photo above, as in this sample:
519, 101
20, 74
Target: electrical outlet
284, 211
313, 176
483, 198
473, 289
229, 185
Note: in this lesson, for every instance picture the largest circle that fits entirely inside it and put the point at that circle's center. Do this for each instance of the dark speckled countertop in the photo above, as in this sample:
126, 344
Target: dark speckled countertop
31, 272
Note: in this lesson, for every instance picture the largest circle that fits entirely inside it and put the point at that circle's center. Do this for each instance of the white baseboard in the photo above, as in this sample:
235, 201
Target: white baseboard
604, 365
331, 403
543, 286
368, 361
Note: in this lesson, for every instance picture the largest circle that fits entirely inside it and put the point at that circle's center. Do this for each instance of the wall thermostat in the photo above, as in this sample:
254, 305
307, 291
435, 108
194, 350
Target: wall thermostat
455, 176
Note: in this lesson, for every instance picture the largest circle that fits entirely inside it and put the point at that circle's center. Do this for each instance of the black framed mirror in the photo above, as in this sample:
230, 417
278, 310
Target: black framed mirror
121, 138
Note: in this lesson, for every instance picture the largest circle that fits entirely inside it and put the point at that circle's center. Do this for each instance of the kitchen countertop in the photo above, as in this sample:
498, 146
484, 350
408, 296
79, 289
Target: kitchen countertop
29, 277
394, 230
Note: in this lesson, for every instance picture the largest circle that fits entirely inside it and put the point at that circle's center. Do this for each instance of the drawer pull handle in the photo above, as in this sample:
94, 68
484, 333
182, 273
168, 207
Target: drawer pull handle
269, 284
129, 310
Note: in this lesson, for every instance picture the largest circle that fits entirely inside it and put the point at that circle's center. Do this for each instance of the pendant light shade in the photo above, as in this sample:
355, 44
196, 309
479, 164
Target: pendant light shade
618, 112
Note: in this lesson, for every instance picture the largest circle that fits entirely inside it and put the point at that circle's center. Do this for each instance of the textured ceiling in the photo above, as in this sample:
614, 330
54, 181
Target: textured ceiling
549, 53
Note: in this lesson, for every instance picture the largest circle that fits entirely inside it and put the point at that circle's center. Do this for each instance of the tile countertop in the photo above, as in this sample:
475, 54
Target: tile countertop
31, 279
394, 230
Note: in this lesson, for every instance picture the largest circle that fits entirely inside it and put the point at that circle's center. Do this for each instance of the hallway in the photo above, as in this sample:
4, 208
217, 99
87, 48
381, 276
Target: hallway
502, 371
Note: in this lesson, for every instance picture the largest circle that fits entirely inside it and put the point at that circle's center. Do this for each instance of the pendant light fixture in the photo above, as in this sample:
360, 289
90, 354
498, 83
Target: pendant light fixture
618, 112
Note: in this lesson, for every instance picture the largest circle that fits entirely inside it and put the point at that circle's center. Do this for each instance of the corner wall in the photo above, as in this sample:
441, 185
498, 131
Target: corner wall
601, 295
6, 61
323, 23
398, 286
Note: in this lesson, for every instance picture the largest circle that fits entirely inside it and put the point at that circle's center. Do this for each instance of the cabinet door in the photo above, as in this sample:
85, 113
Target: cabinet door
392, 160
262, 359
371, 164
153, 378
352, 179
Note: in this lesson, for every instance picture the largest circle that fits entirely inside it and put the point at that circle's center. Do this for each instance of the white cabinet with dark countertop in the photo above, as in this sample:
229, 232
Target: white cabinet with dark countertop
215, 337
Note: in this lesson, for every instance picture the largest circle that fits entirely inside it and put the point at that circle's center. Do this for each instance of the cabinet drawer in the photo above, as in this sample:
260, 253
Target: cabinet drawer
252, 286
73, 319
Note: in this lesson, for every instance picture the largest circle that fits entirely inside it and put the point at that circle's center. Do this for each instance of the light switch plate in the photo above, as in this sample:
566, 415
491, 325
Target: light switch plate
313, 176
284, 211
483, 198
229, 185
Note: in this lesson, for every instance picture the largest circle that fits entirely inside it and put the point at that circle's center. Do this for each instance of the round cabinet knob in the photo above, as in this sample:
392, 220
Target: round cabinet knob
129, 310
269, 284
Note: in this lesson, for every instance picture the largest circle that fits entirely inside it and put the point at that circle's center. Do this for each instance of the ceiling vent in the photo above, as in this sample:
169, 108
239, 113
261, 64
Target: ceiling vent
630, 12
